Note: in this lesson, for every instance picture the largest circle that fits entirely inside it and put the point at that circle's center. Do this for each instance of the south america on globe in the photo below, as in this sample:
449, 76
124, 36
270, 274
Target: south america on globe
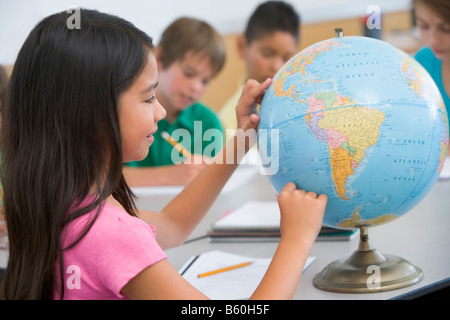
358, 120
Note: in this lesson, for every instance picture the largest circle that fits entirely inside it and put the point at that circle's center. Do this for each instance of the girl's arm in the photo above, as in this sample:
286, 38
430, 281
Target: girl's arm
176, 174
179, 218
301, 219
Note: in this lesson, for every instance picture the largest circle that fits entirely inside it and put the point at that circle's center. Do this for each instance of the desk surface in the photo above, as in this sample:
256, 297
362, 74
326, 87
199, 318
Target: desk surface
420, 236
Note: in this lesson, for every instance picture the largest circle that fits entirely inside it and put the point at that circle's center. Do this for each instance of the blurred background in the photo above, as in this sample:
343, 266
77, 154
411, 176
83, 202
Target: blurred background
319, 18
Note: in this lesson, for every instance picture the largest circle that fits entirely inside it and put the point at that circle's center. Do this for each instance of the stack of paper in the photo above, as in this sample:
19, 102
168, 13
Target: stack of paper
445, 173
260, 221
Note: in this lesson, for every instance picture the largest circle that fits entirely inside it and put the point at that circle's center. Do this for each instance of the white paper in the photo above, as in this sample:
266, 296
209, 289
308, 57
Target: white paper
445, 173
229, 285
253, 214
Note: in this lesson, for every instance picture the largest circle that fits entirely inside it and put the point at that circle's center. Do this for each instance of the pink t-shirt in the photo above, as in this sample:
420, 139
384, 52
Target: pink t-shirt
116, 249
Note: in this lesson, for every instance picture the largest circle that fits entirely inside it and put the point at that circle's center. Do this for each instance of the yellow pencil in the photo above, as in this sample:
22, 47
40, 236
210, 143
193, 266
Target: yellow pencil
176, 145
209, 273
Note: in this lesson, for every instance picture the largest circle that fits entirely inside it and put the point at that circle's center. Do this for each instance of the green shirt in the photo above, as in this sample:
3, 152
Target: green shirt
189, 130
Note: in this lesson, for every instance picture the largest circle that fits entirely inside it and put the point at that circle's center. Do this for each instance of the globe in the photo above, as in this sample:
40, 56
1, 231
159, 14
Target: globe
358, 120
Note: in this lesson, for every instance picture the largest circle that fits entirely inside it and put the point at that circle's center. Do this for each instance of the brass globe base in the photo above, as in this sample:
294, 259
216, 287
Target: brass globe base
366, 271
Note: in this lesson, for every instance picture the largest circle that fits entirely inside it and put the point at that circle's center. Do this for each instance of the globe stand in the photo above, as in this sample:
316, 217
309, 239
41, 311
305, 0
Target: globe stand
367, 270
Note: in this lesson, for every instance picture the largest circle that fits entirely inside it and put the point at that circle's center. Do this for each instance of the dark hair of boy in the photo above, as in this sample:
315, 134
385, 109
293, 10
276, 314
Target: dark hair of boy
272, 16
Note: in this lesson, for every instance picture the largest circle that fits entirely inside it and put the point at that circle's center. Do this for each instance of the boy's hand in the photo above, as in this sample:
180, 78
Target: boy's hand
252, 95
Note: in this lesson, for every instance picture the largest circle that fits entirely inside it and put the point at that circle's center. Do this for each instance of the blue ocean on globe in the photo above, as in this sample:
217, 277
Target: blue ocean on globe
359, 120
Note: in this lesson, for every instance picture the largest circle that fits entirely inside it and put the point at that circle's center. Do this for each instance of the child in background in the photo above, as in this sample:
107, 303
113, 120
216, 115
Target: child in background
270, 39
433, 21
190, 54
78, 109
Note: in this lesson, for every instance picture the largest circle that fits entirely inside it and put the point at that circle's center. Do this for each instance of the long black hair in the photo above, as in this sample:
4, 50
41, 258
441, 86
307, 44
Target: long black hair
60, 139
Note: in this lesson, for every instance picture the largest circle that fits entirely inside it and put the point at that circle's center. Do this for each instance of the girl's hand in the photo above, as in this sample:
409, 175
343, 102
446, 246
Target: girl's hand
301, 219
301, 213
252, 95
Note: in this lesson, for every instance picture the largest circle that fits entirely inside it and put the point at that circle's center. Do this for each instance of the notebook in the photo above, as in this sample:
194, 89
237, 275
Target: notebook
260, 221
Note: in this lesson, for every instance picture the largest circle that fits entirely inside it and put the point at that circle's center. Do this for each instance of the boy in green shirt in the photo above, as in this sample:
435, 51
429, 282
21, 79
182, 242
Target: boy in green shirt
189, 55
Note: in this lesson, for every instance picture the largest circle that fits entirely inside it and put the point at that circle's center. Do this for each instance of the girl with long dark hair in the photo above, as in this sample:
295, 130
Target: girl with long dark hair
82, 102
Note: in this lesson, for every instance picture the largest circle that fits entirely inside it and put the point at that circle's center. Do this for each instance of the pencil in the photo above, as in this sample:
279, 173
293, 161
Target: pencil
176, 145
236, 266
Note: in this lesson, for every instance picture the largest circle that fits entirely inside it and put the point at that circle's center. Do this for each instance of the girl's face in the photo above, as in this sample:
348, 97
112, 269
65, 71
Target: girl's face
139, 112
434, 30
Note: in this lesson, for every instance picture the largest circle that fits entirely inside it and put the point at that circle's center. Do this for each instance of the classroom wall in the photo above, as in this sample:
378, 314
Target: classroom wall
319, 18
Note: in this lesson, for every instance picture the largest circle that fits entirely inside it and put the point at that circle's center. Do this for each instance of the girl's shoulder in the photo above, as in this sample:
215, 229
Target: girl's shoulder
426, 57
110, 224
116, 248
424, 52
118, 223
428, 60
